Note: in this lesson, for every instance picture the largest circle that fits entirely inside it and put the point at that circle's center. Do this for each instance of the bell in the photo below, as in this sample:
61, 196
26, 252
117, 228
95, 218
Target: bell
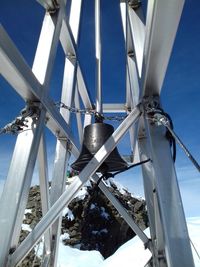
94, 137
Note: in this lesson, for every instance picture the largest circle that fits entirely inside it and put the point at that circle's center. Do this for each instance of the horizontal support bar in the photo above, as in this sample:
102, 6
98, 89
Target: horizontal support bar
114, 108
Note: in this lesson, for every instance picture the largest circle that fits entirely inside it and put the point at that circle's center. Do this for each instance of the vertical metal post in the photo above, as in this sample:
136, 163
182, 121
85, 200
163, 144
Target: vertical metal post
164, 205
98, 57
44, 188
62, 154
132, 82
78, 116
15, 194
62, 150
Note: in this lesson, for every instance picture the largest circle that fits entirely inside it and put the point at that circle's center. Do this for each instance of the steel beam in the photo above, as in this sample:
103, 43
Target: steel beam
22, 79
133, 42
78, 116
114, 108
123, 212
137, 32
16, 189
44, 187
74, 18
62, 155
68, 94
98, 57
162, 22
83, 89
166, 215
73, 188
68, 39
58, 184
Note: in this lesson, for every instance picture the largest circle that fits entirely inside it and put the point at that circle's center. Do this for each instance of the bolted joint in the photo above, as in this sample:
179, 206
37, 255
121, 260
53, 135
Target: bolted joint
69, 146
135, 4
151, 103
151, 108
22, 122
71, 57
155, 113
131, 54
53, 8
32, 109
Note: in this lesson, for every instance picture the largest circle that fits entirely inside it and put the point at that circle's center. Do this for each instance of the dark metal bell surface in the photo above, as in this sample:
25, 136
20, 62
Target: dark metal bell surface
94, 137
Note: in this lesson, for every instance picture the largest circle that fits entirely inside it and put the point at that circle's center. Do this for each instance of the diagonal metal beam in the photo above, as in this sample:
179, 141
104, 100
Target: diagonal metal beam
162, 22
123, 212
167, 220
19, 75
136, 30
73, 188
68, 39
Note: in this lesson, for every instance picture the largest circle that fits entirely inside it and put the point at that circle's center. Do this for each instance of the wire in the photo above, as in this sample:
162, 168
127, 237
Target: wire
195, 249
107, 175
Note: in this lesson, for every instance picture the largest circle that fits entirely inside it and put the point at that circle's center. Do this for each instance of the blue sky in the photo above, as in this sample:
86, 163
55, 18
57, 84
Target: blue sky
180, 95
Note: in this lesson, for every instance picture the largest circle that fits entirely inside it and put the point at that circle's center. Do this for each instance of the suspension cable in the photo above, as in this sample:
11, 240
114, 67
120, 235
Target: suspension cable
195, 249
165, 120
107, 175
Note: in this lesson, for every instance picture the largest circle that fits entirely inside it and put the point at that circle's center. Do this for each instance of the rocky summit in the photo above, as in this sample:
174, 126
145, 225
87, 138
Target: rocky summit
90, 222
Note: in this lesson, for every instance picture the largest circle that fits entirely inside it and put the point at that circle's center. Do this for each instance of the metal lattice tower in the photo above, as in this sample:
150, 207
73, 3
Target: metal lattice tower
146, 67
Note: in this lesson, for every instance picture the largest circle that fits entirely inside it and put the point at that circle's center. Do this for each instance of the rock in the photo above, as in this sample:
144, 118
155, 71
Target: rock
95, 224
99, 224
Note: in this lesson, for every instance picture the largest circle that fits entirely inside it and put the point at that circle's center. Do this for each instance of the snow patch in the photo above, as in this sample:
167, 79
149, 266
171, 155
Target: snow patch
104, 214
131, 252
92, 206
26, 227
28, 211
82, 193
70, 215
39, 248
72, 257
67, 212
64, 237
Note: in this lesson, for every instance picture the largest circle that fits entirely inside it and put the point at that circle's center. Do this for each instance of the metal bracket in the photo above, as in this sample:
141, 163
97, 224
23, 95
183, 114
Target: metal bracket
135, 4
72, 58
131, 54
152, 108
20, 123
